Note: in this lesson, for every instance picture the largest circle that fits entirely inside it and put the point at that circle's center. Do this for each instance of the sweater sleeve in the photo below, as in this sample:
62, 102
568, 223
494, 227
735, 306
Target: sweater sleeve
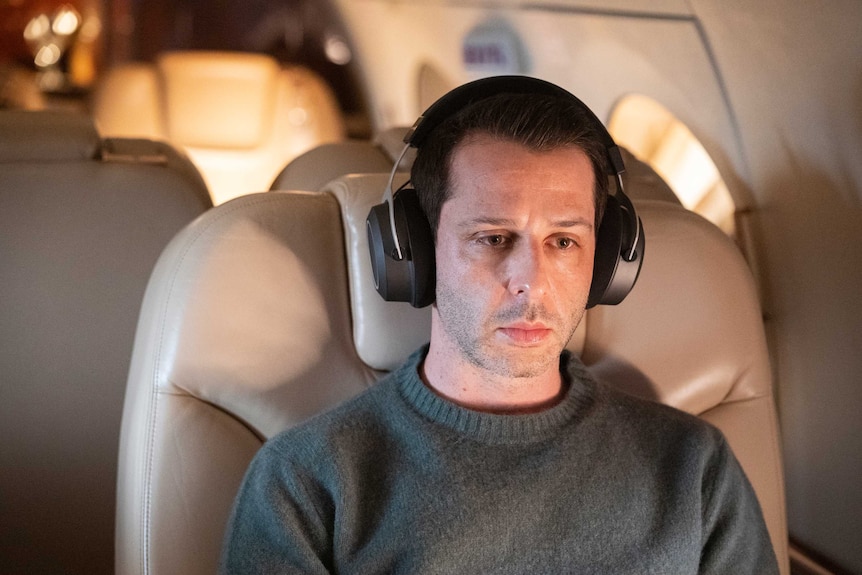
735, 538
280, 519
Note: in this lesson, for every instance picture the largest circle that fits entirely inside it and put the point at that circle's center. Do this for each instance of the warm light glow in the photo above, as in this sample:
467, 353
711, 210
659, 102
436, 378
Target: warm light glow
48, 55
337, 50
66, 21
37, 28
654, 135
298, 116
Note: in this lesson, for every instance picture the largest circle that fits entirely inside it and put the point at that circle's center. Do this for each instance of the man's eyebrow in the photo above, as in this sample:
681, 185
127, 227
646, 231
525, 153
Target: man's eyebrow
486, 220
504, 222
580, 222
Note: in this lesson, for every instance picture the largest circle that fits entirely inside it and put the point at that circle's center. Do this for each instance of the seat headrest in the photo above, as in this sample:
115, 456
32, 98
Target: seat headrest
318, 166
128, 103
312, 170
643, 183
47, 136
391, 141
692, 325
384, 333
200, 86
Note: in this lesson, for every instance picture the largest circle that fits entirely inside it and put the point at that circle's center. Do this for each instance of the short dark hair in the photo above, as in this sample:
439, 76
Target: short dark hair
538, 122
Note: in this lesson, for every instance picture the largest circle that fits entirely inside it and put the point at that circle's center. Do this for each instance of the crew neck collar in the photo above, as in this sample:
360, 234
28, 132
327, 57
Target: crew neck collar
495, 427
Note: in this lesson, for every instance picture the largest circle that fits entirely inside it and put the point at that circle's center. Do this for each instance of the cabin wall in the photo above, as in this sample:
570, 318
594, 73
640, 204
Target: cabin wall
599, 55
773, 89
793, 72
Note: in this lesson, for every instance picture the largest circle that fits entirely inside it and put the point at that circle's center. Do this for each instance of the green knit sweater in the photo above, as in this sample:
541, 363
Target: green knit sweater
399, 480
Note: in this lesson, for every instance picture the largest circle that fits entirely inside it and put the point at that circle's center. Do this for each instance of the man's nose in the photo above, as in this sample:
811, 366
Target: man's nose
527, 270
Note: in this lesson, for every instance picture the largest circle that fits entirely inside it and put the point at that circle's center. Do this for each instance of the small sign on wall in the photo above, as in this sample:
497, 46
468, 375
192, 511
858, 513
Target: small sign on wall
494, 48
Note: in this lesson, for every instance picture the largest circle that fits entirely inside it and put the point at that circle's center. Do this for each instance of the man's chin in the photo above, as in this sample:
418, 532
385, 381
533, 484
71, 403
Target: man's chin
523, 362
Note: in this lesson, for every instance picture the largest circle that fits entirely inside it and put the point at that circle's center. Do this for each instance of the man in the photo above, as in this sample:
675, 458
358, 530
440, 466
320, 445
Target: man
492, 450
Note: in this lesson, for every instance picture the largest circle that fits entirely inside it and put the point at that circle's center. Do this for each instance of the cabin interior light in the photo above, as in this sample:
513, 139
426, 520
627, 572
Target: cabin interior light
337, 50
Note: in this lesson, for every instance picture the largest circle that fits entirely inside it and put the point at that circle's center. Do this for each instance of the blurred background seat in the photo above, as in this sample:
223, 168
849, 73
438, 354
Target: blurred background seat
312, 170
263, 313
83, 221
239, 116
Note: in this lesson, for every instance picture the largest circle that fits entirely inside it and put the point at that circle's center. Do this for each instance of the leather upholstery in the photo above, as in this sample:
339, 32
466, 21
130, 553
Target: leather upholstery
315, 168
245, 330
29, 136
260, 315
371, 315
83, 222
240, 117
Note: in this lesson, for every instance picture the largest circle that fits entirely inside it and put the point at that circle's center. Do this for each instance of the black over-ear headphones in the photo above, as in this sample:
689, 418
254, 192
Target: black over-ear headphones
402, 242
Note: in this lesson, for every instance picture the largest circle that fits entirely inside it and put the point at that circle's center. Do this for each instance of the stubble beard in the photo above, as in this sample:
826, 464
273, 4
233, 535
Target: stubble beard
465, 327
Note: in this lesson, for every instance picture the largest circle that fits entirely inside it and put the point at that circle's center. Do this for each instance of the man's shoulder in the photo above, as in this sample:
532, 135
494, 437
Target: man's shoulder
642, 414
347, 417
650, 420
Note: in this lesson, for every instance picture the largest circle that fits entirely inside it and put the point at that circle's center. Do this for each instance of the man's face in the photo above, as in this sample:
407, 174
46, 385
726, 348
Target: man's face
514, 250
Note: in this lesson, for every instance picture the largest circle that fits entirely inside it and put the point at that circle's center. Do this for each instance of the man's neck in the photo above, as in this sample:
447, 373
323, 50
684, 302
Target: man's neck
453, 377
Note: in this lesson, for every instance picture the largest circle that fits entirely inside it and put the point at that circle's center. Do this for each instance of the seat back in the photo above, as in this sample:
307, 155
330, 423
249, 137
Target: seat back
83, 222
312, 170
239, 116
263, 313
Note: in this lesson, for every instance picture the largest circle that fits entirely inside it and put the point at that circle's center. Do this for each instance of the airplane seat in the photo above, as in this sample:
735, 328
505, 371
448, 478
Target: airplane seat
318, 166
313, 169
263, 313
642, 182
83, 222
19, 88
239, 116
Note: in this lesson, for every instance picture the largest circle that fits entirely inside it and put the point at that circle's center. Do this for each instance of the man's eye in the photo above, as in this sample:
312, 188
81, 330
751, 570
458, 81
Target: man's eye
493, 240
565, 243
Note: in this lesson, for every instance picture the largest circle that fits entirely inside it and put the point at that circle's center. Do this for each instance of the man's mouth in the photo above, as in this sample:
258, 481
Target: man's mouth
525, 334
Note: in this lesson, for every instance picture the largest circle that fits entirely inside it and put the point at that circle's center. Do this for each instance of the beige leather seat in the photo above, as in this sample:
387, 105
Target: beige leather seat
240, 117
82, 223
263, 313
312, 170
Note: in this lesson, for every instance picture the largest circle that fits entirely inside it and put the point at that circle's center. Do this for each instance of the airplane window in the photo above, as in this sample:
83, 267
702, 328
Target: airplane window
654, 135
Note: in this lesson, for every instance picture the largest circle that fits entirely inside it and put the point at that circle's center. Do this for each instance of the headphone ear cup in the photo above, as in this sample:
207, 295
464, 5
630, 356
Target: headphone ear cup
616, 265
420, 247
412, 278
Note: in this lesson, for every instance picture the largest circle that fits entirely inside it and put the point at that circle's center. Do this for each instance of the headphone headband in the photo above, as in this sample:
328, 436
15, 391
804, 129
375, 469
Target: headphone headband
477, 90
